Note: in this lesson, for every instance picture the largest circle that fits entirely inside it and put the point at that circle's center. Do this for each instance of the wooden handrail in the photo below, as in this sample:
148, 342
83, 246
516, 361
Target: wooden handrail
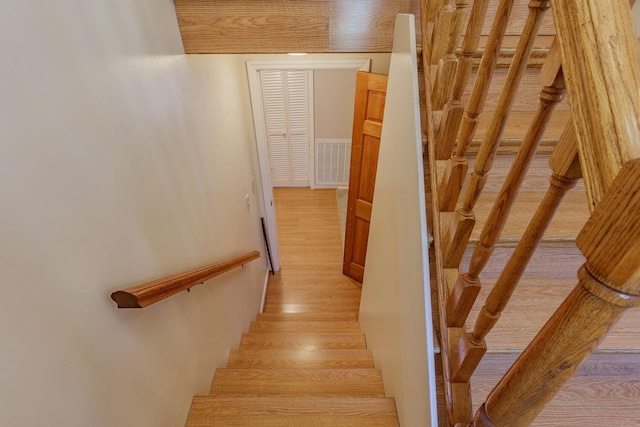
156, 290
600, 61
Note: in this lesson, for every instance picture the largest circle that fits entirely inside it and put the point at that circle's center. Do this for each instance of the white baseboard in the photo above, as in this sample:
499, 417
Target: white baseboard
264, 291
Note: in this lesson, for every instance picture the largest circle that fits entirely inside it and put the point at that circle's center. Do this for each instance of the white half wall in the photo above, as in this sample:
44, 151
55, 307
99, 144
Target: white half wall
395, 309
121, 160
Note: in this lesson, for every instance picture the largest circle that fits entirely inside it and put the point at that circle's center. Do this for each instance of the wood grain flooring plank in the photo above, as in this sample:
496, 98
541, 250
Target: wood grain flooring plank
367, 26
533, 302
254, 26
307, 341
565, 226
300, 359
298, 382
603, 392
291, 411
307, 317
304, 327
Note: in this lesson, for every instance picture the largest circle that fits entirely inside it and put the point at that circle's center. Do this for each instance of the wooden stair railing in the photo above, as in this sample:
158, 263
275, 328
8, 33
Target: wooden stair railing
451, 185
443, 51
468, 285
453, 110
151, 292
595, 55
607, 125
609, 285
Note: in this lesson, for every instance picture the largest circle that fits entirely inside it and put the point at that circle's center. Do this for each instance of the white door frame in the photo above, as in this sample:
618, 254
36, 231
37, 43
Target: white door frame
253, 69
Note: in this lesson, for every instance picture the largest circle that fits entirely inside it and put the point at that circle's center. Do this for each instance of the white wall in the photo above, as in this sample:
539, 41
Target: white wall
121, 160
334, 95
395, 307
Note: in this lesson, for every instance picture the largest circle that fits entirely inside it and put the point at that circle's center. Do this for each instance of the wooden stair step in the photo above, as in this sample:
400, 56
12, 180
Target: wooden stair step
560, 260
312, 307
291, 411
312, 296
532, 303
317, 285
317, 292
536, 180
525, 101
517, 126
301, 280
519, 121
300, 359
565, 226
307, 317
298, 382
308, 327
306, 341
603, 392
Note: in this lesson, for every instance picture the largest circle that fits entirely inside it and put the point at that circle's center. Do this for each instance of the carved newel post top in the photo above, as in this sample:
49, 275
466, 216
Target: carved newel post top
610, 240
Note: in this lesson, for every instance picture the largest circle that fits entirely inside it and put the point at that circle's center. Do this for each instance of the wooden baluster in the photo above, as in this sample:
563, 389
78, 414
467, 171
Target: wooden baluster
441, 31
609, 284
445, 75
460, 227
451, 184
565, 165
428, 12
468, 284
453, 110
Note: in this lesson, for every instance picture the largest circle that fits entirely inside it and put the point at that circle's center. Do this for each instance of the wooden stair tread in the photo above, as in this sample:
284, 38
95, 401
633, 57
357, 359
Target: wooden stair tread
531, 305
300, 359
535, 181
298, 382
519, 121
306, 341
311, 296
316, 291
313, 307
307, 317
308, 327
561, 260
291, 411
316, 286
565, 226
603, 392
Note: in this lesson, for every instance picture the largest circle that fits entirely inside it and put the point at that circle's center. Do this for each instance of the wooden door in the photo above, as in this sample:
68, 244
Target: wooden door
367, 128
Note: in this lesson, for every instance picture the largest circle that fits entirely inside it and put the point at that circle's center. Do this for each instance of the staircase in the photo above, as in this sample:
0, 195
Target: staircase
605, 389
304, 361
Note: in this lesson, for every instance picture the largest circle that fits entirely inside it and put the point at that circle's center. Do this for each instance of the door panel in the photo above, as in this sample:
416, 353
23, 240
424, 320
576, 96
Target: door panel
367, 128
286, 106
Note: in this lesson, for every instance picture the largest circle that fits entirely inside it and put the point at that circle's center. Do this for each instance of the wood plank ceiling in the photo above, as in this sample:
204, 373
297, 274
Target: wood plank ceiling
283, 26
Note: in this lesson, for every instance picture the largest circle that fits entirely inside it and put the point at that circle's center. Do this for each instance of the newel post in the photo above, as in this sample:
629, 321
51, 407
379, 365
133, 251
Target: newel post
609, 284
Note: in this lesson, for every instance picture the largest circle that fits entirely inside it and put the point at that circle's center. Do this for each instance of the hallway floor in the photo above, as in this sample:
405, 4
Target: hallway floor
310, 253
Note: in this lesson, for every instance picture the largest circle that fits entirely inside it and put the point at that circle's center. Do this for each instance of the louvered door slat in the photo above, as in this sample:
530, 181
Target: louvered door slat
286, 106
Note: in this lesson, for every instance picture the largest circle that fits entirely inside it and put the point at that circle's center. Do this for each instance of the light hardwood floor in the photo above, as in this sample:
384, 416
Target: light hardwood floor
310, 279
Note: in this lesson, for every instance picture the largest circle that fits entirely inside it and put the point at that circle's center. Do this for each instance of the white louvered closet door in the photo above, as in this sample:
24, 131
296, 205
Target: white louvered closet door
286, 105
